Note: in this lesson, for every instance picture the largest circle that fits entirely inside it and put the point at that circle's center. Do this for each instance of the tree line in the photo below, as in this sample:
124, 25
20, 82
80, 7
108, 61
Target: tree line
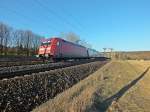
18, 42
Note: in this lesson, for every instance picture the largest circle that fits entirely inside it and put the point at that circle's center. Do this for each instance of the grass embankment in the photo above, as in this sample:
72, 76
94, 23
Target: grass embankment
118, 86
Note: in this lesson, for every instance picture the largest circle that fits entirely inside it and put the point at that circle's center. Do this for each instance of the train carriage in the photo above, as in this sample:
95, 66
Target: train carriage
93, 53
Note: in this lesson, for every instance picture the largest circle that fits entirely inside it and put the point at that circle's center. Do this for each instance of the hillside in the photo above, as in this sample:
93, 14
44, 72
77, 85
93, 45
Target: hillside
118, 86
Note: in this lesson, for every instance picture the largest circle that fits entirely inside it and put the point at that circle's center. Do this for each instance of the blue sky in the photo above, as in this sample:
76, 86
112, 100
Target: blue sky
119, 24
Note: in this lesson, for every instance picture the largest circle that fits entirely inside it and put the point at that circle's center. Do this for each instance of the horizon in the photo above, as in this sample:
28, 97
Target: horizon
121, 25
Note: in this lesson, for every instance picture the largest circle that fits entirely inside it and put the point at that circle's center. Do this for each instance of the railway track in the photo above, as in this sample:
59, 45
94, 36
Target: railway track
19, 63
10, 72
9, 64
9, 61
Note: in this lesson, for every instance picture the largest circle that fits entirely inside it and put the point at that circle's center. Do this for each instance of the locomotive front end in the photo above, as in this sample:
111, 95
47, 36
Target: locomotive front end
45, 49
49, 48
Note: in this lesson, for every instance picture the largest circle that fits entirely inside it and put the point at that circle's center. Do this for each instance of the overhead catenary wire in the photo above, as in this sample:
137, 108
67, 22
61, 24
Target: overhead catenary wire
79, 25
73, 17
27, 18
56, 15
59, 17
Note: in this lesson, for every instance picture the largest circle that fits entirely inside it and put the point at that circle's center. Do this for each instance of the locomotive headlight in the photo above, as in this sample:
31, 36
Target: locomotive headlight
46, 55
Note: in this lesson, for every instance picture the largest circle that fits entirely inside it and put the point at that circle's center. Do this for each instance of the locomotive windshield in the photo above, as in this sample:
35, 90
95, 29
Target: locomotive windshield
45, 43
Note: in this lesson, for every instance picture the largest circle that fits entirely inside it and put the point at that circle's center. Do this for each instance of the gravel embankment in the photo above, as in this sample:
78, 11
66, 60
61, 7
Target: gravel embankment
25, 93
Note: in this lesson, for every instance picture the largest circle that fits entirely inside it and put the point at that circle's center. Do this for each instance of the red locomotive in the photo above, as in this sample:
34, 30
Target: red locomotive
57, 48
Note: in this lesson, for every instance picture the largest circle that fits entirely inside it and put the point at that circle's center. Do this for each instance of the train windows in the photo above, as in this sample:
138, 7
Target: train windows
58, 43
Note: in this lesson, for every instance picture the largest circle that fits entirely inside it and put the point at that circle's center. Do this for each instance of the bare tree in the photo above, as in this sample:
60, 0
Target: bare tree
28, 40
72, 37
18, 42
31, 42
4, 37
18, 38
36, 43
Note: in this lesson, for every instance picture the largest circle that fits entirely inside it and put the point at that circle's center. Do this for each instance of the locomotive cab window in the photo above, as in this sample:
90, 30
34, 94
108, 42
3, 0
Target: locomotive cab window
45, 43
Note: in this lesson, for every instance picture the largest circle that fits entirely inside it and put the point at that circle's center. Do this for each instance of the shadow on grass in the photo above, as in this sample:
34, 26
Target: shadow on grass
103, 106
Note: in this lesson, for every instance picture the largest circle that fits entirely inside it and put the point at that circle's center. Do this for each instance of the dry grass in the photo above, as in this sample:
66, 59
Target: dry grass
138, 98
138, 55
111, 89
